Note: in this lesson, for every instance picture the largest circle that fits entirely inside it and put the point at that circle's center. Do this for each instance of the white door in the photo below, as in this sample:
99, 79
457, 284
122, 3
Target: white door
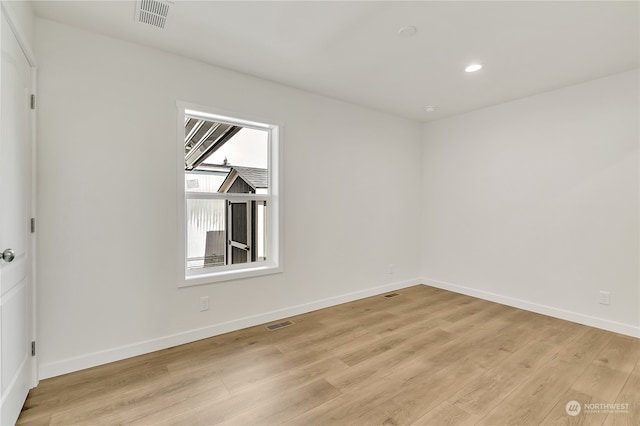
15, 238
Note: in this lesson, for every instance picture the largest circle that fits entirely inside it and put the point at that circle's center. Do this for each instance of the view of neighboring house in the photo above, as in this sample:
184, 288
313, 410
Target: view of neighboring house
222, 231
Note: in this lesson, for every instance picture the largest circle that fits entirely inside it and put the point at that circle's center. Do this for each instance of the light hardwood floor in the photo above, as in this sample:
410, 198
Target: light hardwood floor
424, 357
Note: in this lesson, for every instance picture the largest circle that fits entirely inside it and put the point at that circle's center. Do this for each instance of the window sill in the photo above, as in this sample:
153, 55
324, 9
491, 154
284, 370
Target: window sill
229, 275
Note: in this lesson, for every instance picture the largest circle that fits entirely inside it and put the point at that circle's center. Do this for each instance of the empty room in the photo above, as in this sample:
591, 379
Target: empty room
320, 213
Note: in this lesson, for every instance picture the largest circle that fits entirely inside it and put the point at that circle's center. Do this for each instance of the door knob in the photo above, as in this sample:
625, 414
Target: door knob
8, 255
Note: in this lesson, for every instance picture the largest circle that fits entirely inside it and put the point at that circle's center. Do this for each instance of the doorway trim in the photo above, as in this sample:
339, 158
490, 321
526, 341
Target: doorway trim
20, 35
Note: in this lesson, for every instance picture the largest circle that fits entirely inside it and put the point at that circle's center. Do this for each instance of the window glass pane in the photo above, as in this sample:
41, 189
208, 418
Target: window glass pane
225, 232
234, 158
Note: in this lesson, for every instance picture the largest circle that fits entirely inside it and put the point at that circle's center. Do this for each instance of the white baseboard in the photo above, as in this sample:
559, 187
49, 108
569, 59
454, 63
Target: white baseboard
626, 329
69, 365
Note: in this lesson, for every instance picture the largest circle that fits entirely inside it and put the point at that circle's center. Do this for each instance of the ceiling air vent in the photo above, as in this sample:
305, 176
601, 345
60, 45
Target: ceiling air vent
153, 12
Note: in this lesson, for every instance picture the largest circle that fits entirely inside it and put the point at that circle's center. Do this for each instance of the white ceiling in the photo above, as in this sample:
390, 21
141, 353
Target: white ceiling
352, 50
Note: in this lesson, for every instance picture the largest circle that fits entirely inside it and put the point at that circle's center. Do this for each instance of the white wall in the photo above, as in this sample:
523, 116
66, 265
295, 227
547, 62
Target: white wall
107, 200
534, 202
21, 13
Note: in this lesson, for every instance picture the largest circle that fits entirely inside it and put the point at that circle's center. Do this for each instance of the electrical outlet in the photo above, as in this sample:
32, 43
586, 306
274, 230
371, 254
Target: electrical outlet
204, 303
604, 298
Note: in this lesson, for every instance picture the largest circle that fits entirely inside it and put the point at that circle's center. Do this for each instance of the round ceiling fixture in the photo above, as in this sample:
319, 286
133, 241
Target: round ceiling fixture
408, 31
430, 108
473, 68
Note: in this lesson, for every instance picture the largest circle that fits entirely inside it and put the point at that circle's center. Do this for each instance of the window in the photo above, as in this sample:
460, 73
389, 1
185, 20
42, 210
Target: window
229, 199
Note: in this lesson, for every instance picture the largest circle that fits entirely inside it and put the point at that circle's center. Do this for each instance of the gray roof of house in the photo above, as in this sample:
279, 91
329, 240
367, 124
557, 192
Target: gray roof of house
258, 178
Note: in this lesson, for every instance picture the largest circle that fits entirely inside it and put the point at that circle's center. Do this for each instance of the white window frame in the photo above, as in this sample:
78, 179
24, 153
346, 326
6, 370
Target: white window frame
273, 264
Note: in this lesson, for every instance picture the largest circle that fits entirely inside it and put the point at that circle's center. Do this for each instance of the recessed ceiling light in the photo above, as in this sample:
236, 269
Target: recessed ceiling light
473, 68
430, 108
408, 31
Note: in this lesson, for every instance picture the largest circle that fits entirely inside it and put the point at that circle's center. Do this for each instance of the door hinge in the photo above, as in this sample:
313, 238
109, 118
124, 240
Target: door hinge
33, 101
33, 348
33, 225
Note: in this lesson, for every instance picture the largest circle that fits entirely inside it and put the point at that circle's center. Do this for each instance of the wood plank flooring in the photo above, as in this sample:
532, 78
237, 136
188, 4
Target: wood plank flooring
424, 357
